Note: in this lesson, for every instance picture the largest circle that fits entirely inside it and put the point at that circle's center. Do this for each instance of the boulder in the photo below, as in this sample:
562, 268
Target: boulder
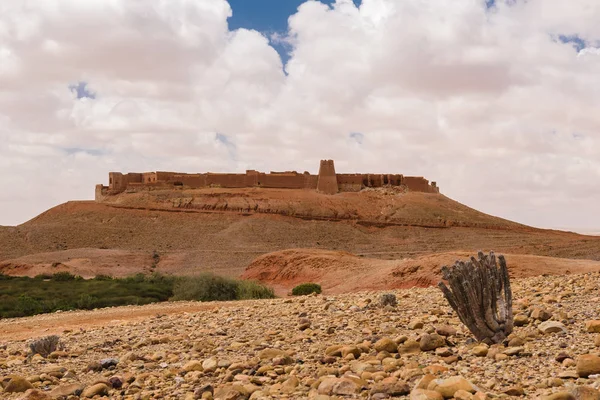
34, 394
386, 344
588, 364
431, 342
99, 389
551, 327
17, 384
592, 326
447, 387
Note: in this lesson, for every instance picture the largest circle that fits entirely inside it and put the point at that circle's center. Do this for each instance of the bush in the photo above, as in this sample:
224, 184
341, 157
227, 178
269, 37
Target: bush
253, 290
205, 287
103, 277
210, 287
306, 288
63, 277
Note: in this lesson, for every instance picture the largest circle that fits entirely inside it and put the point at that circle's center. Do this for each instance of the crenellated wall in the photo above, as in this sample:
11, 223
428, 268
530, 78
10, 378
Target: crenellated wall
327, 181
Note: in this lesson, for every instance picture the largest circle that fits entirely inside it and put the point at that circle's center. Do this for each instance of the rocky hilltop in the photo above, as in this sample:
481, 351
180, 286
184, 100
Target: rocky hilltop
318, 347
226, 230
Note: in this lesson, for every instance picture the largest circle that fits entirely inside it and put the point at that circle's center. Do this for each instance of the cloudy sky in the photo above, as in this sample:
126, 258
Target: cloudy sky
497, 101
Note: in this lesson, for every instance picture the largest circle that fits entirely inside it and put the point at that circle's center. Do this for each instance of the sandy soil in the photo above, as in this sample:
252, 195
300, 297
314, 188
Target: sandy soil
341, 272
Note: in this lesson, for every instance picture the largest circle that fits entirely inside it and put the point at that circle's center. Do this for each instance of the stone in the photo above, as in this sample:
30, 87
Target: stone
339, 386
588, 364
597, 341
513, 351
193, 365
446, 330
34, 394
17, 384
447, 387
560, 396
74, 389
386, 344
431, 342
514, 391
210, 364
480, 350
463, 395
520, 320
551, 327
424, 394
415, 324
592, 326
585, 393
391, 387
541, 314
99, 389
411, 346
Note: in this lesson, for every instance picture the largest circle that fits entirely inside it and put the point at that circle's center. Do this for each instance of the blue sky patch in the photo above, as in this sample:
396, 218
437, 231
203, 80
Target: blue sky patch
268, 17
357, 137
82, 91
574, 40
74, 150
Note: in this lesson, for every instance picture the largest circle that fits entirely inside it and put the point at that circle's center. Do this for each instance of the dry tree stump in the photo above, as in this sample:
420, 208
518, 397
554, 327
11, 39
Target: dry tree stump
479, 291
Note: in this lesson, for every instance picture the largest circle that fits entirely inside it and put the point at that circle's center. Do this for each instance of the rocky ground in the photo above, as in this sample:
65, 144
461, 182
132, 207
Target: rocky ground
326, 347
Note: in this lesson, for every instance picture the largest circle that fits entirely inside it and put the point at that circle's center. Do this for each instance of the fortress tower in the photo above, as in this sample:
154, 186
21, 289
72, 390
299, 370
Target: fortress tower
327, 181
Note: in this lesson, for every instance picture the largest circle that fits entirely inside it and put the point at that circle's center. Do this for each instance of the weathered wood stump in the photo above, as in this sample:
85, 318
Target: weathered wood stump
480, 294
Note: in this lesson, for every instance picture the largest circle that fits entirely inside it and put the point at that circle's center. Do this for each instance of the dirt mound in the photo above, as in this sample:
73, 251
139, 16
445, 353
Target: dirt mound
90, 238
342, 272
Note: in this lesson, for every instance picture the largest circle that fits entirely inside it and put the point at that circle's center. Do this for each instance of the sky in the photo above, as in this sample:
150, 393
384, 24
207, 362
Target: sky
496, 100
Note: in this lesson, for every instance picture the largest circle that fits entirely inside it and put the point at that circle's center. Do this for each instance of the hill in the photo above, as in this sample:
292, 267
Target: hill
224, 230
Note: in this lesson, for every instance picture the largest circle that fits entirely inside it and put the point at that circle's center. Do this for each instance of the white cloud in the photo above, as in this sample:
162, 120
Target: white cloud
489, 103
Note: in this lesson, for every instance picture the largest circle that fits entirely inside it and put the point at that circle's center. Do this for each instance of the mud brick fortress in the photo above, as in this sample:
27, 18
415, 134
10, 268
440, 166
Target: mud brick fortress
326, 182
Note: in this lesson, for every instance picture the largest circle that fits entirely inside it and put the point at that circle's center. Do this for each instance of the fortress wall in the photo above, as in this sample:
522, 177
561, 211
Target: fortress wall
163, 176
149, 177
310, 181
327, 181
350, 182
417, 184
282, 181
375, 180
190, 180
226, 180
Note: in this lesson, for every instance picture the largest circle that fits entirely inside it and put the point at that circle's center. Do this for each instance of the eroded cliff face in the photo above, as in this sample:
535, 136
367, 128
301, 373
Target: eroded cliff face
381, 206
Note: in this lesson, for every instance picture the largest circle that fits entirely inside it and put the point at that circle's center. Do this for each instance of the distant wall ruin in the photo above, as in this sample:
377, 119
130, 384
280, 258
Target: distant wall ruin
327, 181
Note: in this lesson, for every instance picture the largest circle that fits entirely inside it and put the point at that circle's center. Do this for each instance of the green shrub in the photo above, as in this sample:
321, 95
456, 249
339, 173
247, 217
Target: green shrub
42, 277
28, 306
247, 290
63, 277
103, 277
306, 288
205, 287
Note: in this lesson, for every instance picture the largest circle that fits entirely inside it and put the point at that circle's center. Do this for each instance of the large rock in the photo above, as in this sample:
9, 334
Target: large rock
592, 326
551, 327
386, 344
447, 387
391, 387
339, 386
99, 389
34, 394
585, 393
18, 384
424, 394
431, 342
73, 389
210, 364
588, 364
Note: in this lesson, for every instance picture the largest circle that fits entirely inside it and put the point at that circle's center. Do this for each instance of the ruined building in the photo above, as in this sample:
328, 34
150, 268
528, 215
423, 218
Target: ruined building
327, 181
